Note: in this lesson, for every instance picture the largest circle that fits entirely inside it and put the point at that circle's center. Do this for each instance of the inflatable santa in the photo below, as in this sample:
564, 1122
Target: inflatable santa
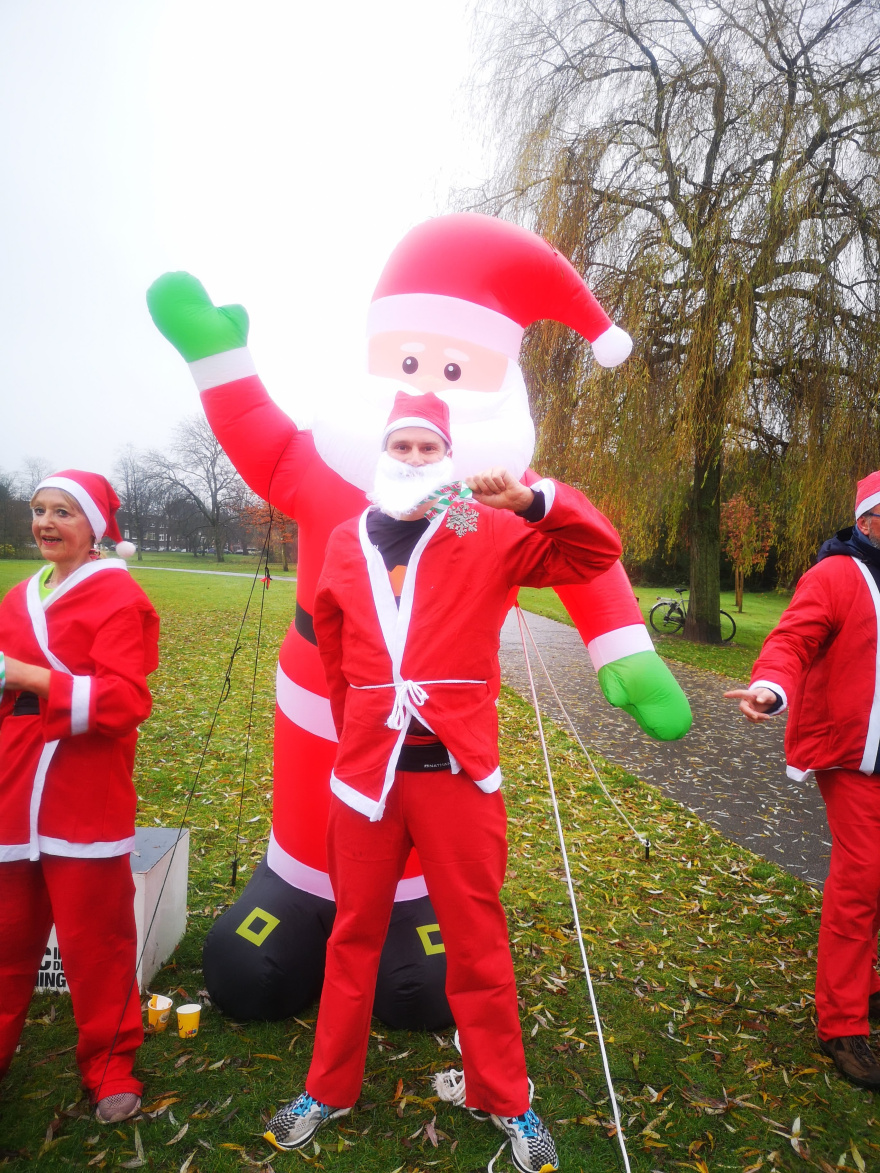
448, 316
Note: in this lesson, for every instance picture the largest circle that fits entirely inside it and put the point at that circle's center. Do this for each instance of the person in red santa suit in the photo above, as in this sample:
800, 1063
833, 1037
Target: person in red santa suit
407, 614
77, 642
821, 662
447, 316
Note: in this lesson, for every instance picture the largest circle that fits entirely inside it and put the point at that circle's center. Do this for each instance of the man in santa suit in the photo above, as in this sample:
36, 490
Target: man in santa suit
821, 661
447, 316
407, 614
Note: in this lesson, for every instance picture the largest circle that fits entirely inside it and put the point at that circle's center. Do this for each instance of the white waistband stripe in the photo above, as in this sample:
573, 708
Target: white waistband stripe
307, 879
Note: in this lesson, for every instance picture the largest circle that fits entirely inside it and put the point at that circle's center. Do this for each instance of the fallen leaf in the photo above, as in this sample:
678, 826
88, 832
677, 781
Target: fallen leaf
179, 1136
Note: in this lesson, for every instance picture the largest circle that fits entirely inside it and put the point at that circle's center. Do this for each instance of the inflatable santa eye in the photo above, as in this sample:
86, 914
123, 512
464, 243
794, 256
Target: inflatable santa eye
410, 365
452, 371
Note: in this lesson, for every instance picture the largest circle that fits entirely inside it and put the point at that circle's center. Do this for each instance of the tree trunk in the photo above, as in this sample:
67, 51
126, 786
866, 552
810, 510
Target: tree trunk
703, 624
738, 584
218, 542
285, 565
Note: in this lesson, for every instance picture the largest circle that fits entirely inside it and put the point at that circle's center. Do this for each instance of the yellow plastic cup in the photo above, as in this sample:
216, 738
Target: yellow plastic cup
188, 1020
158, 1012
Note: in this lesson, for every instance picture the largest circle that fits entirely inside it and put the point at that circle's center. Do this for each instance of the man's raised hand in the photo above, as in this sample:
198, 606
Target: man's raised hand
754, 702
183, 312
496, 488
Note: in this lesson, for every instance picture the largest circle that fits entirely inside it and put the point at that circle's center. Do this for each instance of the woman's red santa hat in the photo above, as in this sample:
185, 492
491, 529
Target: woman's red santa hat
96, 498
485, 280
867, 493
419, 411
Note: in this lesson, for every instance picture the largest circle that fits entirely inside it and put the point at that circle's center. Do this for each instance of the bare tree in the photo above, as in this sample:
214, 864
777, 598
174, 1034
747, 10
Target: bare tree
198, 473
712, 164
34, 470
15, 516
137, 490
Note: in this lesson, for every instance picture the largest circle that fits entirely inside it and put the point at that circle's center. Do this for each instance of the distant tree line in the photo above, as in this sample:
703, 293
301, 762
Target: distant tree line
187, 497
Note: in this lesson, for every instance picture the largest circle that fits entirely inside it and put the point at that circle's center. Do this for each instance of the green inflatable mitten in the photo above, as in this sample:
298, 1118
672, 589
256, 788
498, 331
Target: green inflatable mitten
644, 687
183, 312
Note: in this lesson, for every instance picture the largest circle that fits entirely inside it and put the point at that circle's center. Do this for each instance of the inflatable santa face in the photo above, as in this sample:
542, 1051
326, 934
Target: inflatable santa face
455, 296
448, 316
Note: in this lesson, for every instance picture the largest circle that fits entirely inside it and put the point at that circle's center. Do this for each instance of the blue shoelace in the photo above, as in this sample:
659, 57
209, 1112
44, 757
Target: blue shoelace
304, 1105
528, 1124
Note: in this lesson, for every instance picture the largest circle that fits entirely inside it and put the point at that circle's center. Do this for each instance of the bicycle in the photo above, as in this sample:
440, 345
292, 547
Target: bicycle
667, 617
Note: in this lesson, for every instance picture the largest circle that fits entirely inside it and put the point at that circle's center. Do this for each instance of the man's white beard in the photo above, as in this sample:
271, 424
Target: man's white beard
398, 488
488, 427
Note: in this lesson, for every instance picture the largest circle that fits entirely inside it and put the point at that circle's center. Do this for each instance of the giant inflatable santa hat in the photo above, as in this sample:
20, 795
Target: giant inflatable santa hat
96, 498
485, 280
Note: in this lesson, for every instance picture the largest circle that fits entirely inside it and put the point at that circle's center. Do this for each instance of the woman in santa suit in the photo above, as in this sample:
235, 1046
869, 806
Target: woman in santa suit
77, 642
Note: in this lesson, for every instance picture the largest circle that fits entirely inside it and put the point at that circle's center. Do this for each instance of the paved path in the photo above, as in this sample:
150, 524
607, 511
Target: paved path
729, 772
221, 573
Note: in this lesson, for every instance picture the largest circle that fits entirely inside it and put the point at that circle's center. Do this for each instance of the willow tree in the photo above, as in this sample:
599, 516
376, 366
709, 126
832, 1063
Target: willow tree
712, 168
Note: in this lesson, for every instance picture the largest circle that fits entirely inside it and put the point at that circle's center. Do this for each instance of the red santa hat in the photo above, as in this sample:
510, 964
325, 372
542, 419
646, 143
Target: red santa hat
95, 496
485, 280
867, 494
418, 411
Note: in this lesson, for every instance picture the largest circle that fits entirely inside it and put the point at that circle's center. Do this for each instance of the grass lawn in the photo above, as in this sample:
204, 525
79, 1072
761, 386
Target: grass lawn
704, 959
761, 611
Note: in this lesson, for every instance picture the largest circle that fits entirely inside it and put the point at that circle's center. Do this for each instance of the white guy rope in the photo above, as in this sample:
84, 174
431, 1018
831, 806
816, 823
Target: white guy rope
643, 839
573, 901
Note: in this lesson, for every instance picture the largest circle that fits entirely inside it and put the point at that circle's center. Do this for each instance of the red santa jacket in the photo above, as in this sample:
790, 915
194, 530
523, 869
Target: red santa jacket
822, 658
65, 773
436, 656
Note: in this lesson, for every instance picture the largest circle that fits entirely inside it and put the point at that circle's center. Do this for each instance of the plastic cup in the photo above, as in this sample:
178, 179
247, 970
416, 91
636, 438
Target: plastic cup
158, 1012
188, 1020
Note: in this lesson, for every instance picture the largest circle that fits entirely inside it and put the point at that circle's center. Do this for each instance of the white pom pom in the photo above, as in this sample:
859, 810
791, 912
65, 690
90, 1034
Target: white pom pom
126, 549
612, 347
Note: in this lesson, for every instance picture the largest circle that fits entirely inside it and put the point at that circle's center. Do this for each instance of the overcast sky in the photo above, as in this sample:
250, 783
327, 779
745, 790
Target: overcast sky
276, 150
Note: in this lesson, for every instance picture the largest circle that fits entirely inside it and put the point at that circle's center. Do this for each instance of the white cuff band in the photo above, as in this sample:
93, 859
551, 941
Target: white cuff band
774, 687
219, 369
622, 641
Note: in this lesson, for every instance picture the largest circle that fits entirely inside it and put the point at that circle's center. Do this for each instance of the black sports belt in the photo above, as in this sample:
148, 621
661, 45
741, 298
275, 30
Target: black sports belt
422, 759
27, 704
305, 624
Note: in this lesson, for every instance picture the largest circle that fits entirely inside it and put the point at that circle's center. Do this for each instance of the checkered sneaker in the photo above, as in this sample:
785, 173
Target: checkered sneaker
531, 1146
296, 1123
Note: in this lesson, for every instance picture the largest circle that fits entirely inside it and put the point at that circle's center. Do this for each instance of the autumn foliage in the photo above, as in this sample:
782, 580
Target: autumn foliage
746, 537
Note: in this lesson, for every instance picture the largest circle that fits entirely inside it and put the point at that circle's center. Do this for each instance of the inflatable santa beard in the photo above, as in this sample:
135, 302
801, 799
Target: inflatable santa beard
488, 427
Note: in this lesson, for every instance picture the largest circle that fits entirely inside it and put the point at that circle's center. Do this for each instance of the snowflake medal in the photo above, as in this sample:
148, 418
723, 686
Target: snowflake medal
462, 519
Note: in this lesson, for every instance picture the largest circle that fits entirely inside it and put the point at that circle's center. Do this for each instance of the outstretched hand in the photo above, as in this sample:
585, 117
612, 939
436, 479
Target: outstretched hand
497, 488
754, 702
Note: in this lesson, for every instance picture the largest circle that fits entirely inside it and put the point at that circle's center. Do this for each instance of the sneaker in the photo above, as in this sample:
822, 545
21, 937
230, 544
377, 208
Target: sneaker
854, 1059
114, 1109
531, 1145
296, 1123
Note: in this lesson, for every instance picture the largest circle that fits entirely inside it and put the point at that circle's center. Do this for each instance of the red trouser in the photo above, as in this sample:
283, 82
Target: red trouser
459, 833
846, 972
92, 904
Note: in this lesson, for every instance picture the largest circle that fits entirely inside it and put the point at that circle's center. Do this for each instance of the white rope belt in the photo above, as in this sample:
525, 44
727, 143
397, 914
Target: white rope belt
409, 696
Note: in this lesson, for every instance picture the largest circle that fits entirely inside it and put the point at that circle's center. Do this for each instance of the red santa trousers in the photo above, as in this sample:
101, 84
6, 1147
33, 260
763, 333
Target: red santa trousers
846, 971
459, 833
92, 904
